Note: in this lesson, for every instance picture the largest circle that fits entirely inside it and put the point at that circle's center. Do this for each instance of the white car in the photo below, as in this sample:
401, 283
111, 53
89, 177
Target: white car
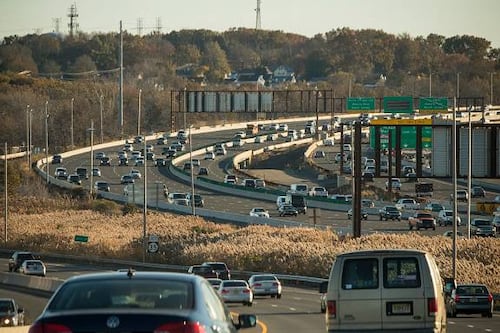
236, 291
407, 203
209, 155
445, 217
318, 191
283, 128
265, 285
230, 179
136, 174
96, 172
175, 197
396, 184
259, 212
33, 267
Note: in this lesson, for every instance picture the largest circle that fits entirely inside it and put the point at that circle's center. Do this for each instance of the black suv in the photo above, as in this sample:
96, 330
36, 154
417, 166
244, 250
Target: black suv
220, 268
17, 259
389, 213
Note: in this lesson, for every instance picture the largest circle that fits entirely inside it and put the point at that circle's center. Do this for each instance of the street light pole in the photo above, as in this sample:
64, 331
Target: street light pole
458, 85
100, 104
30, 137
47, 141
5, 193
145, 202
491, 88
139, 114
430, 84
72, 123
469, 176
27, 134
91, 129
193, 209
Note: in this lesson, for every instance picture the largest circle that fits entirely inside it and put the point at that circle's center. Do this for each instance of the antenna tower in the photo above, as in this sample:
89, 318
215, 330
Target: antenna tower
73, 25
57, 22
140, 26
158, 26
258, 24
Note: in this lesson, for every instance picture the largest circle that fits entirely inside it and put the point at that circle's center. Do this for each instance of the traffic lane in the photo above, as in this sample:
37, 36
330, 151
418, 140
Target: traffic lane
33, 302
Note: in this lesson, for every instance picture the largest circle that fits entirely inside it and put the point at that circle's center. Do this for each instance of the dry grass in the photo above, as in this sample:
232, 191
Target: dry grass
187, 240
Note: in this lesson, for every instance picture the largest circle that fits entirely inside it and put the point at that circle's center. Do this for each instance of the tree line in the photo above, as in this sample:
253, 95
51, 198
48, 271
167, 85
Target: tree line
84, 69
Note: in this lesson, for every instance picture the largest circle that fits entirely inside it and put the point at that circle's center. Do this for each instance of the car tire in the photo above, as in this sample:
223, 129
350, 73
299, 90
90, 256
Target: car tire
249, 304
278, 296
380, 218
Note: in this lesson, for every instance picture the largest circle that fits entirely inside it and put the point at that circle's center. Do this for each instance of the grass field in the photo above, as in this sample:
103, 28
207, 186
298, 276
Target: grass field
186, 240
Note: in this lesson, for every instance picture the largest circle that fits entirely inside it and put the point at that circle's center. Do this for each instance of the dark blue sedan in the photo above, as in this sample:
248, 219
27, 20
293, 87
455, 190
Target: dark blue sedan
129, 301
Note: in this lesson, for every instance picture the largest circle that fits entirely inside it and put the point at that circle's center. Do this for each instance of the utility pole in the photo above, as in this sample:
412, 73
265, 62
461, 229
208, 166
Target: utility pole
5, 192
72, 123
47, 141
73, 25
258, 23
120, 113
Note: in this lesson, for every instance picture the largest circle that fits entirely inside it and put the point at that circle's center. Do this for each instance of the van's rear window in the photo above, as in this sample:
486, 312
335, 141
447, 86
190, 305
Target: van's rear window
360, 274
401, 273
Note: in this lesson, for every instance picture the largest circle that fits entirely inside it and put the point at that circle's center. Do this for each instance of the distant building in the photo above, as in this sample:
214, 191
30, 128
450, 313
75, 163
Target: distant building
283, 74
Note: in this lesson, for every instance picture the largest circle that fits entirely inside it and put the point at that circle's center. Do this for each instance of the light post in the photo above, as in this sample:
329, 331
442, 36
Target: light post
491, 88
27, 134
430, 84
458, 85
5, 193
30, 138
47, 141
185, 107
91, 130
193, 209
139, 114
72, 123
454, 181
100, 104
145, 202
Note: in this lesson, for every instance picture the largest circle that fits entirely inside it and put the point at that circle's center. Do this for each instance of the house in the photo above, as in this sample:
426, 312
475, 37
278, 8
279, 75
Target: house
283, 74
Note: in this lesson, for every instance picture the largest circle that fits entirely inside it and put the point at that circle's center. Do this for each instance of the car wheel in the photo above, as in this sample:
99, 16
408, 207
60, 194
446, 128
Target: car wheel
278, 296
249, 303
490, 314
273, 296
411, 227
433, 228
323, 310
380, 218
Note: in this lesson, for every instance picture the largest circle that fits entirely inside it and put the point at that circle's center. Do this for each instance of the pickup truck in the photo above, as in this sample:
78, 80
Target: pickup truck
11, 314
422, 220
407, 203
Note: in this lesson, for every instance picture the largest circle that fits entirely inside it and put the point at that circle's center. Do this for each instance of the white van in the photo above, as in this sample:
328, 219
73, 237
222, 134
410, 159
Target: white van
385, 290
299, 189
282, 200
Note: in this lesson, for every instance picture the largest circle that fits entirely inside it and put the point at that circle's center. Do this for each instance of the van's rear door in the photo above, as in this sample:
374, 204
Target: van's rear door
403, 293
359, 301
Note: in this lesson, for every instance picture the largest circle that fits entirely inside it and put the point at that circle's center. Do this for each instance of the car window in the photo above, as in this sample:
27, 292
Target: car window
471, 290
123, 294
212, 303
265, 278
233, 284
401, 273
360, 274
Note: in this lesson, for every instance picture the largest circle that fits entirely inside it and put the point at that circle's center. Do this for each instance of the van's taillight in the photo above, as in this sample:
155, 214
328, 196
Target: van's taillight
49, 328
332, 308
180, 327
432, 306
457, 298
490, 297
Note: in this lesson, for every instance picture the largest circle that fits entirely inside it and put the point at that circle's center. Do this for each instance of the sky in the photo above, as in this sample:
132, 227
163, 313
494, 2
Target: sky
449, 18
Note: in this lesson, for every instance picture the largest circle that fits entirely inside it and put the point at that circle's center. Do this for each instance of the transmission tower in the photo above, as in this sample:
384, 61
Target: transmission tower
73, 25
258, 24
158, 26
57, 22
140, 26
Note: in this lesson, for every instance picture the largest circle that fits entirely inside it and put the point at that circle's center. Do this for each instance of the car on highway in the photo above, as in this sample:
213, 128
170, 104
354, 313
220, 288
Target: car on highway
215, 282
123, 161
33, 267
220, 268
127, 179
288, 210
136, 301
136, 174
82, 172
470, 299
481, 226
367, 203
318, 191
102, 185
283, 127
319, 154
259, 212
462, 196
173, 196
395, 184
363, 214
57, 159
99, 155
203, 270
197, 198
422, 220
445, 217
449, 233
17, 258
265, 285
203, 171
236, 291
61, 173
407, 203
434, 207
477, 192
230, 179
11, 314
96, 172
496, 222
209, 155
75, 179
389, 212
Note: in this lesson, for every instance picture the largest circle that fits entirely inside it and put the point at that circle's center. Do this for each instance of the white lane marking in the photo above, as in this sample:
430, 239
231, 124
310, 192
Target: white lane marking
470, 326
293, 309
488, 330
274, 305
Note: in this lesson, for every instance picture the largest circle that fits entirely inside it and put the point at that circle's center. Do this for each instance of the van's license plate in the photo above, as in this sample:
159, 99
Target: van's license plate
399, 308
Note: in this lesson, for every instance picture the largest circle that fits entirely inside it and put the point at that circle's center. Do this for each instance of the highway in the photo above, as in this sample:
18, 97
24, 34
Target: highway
296, 311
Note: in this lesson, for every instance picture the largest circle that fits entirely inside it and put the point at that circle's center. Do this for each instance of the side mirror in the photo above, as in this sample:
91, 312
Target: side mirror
323, 287
246, 321
449, 285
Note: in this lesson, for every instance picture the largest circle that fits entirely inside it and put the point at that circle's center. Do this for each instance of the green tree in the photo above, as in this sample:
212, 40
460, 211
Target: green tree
216, 61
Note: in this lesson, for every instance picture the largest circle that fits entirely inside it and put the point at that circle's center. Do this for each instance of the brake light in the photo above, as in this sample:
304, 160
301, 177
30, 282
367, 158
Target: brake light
457, 298
180, 327
490, 297
224, 291
246, 291
48, 328
332, 308
257, 285
275, 284
432, 307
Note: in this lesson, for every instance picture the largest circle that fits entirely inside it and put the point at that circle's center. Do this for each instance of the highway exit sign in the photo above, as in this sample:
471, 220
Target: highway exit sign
408, 137
433, 103
360, 103
81, 238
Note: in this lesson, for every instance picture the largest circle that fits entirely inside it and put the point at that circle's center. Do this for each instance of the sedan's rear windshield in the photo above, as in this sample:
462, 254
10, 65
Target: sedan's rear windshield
472, 290
126, 293
265, 278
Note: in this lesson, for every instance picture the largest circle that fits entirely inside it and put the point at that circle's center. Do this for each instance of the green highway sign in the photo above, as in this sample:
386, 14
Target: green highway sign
81, 238
360, 103
398, 104
408, 137
433, 103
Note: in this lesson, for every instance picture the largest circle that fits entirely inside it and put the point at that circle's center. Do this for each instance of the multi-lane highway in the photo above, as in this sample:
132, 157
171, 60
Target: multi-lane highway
297, 311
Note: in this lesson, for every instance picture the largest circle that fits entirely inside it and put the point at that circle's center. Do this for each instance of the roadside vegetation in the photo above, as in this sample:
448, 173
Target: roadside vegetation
49, 225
